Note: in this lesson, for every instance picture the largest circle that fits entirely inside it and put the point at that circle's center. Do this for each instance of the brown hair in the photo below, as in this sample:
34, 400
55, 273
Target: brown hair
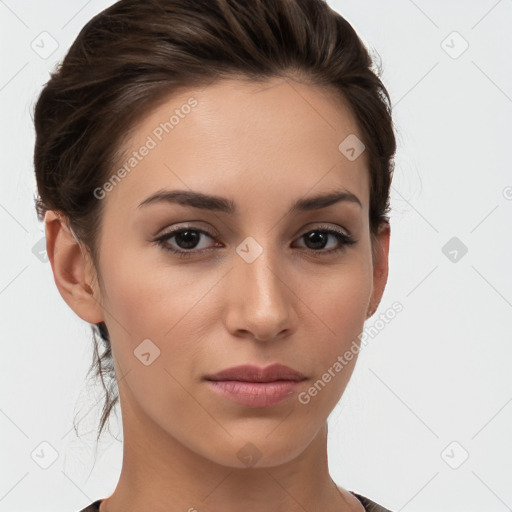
134, 54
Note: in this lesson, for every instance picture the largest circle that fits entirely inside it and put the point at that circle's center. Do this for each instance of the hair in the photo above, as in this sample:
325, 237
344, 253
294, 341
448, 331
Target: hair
133, 55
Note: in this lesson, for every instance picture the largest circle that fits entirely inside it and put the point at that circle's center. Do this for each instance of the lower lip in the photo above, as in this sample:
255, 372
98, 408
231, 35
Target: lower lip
255, 394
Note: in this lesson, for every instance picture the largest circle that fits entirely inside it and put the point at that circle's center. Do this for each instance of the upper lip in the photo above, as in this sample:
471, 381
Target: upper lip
251, 373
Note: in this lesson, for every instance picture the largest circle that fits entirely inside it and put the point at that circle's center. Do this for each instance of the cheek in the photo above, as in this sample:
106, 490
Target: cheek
163, 307
340, 301
347, 302
340, 308
146, 303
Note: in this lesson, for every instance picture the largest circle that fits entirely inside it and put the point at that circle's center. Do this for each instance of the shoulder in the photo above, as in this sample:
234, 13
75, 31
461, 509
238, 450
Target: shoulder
93, 507
368, 504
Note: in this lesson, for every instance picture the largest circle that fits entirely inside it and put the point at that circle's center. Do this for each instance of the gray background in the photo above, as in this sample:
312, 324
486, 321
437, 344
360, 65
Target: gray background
425, 422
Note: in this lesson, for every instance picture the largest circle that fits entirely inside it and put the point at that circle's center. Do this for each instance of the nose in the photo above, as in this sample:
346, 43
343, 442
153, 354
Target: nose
260, 302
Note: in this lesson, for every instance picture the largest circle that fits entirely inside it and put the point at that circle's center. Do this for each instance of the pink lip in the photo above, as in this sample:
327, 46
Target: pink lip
256, 387
251, 373
255, 394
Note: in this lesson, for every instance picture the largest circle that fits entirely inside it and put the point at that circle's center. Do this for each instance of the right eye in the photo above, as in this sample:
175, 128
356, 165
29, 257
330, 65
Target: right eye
186, 237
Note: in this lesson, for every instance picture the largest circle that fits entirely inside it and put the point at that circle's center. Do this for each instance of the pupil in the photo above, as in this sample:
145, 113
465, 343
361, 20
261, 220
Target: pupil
190, 238
316, 238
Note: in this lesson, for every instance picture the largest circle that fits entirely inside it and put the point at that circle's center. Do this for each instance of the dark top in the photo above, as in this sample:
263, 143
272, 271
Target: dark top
369, 505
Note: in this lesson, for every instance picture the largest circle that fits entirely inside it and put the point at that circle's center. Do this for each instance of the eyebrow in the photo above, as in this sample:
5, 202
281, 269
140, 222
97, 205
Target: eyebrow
224, 205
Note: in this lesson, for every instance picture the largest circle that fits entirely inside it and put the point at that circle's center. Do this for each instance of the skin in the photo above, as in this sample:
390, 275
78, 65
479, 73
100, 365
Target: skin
263, 146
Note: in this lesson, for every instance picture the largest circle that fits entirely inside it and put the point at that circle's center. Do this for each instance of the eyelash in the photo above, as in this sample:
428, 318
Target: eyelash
345, 239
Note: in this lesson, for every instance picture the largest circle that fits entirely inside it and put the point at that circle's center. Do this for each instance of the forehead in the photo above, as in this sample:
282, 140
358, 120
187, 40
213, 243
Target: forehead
267, 140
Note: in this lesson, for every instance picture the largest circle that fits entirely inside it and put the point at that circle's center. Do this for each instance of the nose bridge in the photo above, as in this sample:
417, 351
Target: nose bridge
259, 271
263, 299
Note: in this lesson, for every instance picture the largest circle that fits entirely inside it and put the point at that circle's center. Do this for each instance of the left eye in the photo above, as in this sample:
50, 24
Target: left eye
187, 239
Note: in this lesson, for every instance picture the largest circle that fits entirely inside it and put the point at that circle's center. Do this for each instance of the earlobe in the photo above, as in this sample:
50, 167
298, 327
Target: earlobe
69, 265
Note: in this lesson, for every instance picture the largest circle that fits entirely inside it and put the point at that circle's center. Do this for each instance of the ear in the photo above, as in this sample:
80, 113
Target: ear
380, 255
72, 269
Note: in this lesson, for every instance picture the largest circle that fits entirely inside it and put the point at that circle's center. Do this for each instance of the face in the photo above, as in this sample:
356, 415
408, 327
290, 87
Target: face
194, 286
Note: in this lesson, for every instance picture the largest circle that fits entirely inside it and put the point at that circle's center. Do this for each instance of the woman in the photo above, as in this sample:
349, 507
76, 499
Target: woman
214, 179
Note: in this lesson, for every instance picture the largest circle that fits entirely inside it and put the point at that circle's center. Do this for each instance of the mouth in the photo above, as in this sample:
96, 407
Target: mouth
252, 386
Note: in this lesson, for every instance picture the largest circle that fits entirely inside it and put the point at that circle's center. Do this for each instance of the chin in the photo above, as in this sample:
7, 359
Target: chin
258, 448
